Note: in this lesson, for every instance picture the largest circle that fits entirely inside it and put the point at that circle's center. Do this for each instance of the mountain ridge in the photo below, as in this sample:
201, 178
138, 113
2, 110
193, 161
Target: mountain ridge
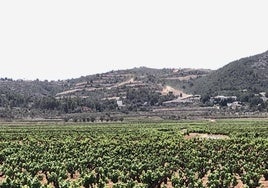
136, 90
248, 73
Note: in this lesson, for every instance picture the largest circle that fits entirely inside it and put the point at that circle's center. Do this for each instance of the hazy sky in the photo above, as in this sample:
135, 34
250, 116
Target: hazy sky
59, 39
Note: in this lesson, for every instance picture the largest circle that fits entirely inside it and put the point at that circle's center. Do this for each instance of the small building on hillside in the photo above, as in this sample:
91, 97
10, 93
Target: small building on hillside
234, 105
263, 96
120, 103
222, 98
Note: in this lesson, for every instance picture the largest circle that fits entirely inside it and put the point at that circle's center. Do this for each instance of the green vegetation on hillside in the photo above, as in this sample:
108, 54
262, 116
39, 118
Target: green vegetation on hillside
140, 90
137, 89
247, 74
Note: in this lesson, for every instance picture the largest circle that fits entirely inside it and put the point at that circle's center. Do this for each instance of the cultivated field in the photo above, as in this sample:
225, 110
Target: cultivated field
222, 153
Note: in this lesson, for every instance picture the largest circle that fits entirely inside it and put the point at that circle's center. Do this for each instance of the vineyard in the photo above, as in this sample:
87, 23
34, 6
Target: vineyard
233, 153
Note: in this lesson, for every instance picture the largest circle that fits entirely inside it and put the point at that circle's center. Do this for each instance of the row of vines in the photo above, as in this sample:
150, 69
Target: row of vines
134, 155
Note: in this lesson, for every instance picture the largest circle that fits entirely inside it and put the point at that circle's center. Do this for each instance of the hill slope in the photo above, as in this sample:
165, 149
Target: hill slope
250, 73
117, 83
132, 89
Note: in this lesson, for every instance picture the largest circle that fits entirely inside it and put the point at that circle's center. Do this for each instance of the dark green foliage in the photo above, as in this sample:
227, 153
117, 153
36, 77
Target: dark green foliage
143, 96
245, 74
139, 89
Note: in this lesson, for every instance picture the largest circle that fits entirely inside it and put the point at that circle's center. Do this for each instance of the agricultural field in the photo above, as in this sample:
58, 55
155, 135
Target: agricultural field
222, 153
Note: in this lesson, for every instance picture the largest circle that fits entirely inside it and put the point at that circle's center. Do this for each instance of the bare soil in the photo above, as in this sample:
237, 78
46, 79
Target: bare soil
206, 136
176, 92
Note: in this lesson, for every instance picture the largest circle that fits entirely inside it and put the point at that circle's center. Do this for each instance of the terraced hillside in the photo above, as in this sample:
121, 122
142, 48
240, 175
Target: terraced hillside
128, 90
116, 83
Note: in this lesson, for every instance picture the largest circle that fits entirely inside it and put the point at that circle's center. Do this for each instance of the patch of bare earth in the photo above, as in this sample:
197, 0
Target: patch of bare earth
176, 92
75, 177
69, 92
110, 184
2, 178
182, 77
206, 136
44, 180
264, 184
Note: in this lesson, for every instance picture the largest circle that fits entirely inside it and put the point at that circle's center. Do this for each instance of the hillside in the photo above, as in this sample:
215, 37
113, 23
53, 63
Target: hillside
137, 89
34, 88
142, 91
117, 83
247, 74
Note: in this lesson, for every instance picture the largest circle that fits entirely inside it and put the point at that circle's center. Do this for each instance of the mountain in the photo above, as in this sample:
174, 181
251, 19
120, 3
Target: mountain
34, 88
132, 89
247, 74
116, 83
138, 90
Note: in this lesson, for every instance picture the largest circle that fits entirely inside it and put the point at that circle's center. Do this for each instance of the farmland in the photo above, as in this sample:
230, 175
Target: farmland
165, 154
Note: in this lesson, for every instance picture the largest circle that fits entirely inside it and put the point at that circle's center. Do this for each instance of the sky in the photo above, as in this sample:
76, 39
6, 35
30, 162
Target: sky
63, 39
